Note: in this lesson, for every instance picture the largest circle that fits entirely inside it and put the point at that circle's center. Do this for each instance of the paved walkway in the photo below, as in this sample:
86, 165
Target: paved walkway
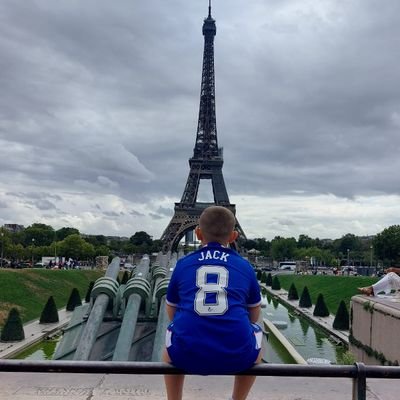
30, 386
34, 332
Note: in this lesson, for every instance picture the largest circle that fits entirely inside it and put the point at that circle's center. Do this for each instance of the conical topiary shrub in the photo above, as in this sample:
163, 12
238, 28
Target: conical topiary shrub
305, 299
263, 278
320, 309
74, 300
49, 313
269, 280
89, 291
125, 278
259, 275
13, 329
292, 294
341, 321
276, 285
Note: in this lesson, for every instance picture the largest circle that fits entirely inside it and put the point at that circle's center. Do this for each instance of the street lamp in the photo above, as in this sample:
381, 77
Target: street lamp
370, 262
33, 244
2, 248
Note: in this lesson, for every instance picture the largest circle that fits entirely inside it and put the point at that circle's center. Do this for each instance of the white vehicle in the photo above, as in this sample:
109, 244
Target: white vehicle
287, 266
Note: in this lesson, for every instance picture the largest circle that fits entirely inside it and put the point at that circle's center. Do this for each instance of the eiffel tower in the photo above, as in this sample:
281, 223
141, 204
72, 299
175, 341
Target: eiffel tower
207, 159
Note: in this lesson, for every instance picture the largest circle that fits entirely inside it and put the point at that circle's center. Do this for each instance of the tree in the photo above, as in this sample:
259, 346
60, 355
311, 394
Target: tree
292, 294
305, 241
13, 329
276, 285
283, 249
49, 313
64, 232
305, 299
320, 309
73, 246
42, 235
140, 238
387, 244
74, 300
341, 321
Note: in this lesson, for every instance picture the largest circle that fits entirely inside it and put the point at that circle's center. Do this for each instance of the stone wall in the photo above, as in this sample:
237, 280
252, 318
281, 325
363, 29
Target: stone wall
375, 329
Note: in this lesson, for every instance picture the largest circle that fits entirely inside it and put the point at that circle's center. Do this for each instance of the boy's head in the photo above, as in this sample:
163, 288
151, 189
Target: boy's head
216, 224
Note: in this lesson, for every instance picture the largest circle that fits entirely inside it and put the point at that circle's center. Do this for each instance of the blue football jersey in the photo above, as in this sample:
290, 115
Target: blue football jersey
212, 289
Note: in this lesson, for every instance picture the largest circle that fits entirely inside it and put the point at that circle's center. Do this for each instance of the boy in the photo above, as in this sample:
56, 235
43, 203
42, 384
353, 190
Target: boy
213, 301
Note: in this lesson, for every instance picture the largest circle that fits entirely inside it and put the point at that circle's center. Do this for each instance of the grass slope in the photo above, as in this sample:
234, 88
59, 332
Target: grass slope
29, 289
334, 288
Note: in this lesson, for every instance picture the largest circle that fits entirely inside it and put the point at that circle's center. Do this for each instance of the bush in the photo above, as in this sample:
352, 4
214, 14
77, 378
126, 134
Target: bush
74, 300
13, 329
320, 309
263, 278
305, 299
89, 291
49, 313
259, 275
341, 321
292, 294
276, 285
269, 280
125, 278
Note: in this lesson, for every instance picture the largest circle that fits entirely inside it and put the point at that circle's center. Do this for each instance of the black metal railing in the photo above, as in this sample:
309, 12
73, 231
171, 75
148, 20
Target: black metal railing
358, 372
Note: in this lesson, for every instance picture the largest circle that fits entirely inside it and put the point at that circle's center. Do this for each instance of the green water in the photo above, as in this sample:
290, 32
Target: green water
43, 350
309, 340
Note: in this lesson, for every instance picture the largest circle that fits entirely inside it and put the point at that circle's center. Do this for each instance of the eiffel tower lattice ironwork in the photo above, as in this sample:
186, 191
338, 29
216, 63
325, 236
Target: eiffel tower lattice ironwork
207, 159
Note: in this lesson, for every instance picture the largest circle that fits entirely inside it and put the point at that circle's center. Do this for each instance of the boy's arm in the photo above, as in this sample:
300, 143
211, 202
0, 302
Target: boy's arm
254, 313
170, 311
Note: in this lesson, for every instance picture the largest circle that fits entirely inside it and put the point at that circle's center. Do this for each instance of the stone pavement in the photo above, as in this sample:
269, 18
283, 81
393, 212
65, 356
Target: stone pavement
34, 332
31, 386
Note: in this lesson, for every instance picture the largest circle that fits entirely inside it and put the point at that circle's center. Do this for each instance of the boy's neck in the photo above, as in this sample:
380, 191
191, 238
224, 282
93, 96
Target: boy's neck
214, 242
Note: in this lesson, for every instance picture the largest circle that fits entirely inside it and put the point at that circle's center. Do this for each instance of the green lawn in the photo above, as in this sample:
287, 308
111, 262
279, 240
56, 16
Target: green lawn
29, 289
334, 288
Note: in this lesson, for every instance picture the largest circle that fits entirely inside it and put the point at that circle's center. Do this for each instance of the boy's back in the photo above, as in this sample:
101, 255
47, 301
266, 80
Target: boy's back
211, 332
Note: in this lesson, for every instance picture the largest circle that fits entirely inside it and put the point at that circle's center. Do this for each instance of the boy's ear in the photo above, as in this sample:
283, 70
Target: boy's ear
234, 235
199, 234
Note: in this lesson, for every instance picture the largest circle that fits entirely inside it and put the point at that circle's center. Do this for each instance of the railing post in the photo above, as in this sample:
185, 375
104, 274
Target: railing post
360, 382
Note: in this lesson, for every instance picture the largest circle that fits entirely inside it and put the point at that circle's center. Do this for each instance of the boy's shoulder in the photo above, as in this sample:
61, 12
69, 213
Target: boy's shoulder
214, 253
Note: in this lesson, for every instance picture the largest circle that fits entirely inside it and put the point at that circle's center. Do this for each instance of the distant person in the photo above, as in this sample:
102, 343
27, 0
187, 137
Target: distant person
213, 300
389, 282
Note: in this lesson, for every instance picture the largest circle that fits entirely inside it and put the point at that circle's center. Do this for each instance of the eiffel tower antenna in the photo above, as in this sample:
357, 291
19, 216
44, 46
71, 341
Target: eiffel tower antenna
207, 159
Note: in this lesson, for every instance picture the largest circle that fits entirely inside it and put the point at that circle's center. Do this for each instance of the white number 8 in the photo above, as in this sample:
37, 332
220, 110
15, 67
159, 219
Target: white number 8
221, 302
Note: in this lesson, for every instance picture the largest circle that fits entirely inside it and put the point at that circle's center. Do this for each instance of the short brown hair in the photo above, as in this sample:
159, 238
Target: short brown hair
217, 223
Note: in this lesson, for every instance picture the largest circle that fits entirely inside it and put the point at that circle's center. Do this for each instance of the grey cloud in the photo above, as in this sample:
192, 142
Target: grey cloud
103, 98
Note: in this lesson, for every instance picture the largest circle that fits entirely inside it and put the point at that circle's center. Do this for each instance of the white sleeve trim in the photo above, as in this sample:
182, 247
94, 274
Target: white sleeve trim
254, 305
171, 304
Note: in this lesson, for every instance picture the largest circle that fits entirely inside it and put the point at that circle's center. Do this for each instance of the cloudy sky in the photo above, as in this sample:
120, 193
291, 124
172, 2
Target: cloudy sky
99, 103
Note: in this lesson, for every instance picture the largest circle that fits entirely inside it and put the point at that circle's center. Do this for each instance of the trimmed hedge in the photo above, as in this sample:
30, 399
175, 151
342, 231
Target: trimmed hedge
89, 291
276, 285
305, 299
341, 321
320, 309
125, 278
49, 313
74, 300
269, 280
13, 330
292, 294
